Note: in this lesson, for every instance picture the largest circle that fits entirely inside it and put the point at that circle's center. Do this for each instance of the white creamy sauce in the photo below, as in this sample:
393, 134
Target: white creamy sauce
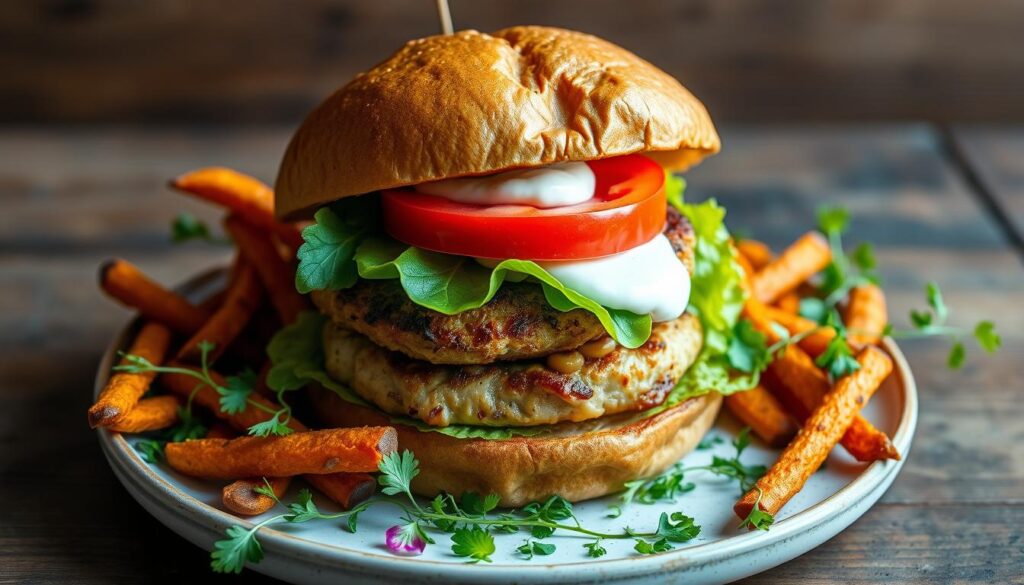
648, 279
549, 186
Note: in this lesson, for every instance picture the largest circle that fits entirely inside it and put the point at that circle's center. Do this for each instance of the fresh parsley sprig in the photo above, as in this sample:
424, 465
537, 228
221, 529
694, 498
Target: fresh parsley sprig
758, 518
469, 522
235, 394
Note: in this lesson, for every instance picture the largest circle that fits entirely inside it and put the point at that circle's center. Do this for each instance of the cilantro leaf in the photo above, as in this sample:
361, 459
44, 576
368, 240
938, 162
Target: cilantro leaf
152, 451
758, 518
326, 258
837, 358
747, 350
474, 504
936, 302
234, 396
530, 548
988, 339
270, 427
709, 442
304, 509
649, 548
594, 549
957, 356
475, 543
188, 427
397, 471
833, 220
677, 527
230, 554
864, 257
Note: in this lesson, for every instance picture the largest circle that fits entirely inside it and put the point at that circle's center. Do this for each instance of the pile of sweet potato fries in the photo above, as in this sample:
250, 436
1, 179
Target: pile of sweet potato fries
178, 333
796, 404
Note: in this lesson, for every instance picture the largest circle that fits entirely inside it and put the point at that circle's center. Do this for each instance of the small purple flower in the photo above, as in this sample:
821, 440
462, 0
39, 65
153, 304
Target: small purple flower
406, 540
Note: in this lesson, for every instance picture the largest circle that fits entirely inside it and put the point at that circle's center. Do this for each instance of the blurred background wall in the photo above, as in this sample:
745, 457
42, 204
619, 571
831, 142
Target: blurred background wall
249, 61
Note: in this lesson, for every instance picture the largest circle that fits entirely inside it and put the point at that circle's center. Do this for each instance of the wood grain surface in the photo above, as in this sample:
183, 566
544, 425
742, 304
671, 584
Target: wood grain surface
268, 60
72, 198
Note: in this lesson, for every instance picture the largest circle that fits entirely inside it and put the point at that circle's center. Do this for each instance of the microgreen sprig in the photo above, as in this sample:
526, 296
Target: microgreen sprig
671, 484
235, 393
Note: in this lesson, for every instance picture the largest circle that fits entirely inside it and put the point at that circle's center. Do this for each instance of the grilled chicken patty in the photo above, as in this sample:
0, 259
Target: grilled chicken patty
522, 393
516, 324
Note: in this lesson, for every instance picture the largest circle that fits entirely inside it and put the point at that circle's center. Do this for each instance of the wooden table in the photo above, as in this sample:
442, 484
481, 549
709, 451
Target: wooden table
945, 205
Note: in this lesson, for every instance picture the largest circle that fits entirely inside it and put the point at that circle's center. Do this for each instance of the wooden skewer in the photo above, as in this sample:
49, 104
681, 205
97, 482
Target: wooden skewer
445, 16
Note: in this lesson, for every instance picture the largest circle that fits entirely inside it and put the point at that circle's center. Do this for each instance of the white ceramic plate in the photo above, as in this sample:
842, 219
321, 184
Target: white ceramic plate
323, 552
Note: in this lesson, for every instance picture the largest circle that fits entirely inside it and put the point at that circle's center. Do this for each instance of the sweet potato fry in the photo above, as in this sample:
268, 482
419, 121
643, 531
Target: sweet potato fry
789, 302
821, 431
345, 489
184, 386
866, 315
763, 413
220, 430
801, 386
242, 498
802, 260
815, 343
758, 254
150, 414
242, 301
277, 277
312, 452
241, 194
126, 283
123, 390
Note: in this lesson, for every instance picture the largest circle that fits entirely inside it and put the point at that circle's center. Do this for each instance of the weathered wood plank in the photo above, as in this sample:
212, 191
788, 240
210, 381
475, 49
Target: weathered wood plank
997, 155
261, 60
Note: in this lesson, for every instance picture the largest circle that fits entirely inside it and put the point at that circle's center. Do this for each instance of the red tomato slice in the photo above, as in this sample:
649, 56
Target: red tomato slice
628, 209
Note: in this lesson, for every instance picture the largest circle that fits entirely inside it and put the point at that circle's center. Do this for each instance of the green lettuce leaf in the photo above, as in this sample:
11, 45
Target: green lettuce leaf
716, 296
452, 284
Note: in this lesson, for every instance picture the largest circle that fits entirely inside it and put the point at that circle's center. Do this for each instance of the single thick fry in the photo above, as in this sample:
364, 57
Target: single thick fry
242, 498
312, 452
126, 283
150, 414
801, 386
866, 315
821, 431
242, 301
758, 254
789, 302
800, 261
278, 278
123, 390
763, 413
345, 489
240, 193
184, 386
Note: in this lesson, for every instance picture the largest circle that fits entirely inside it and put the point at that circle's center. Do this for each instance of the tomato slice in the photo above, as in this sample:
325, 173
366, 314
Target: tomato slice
628, 209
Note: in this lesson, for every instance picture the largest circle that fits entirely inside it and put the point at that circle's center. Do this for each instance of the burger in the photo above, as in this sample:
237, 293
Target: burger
505, 267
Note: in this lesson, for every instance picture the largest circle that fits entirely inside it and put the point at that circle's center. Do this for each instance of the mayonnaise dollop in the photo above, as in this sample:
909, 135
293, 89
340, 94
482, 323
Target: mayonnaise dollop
648, 279
549, 186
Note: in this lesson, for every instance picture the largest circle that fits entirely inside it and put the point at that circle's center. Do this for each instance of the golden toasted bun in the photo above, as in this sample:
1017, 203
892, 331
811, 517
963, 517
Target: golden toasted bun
579, 462
473, 103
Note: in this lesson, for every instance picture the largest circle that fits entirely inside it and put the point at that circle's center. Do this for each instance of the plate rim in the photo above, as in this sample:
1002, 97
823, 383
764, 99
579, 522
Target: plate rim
873, 476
